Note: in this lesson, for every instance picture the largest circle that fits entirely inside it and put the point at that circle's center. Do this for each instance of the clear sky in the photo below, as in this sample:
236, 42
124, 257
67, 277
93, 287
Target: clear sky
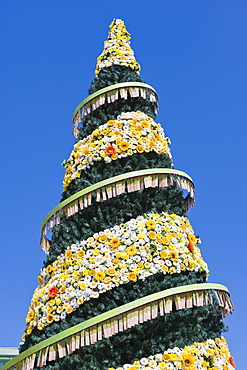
194, 54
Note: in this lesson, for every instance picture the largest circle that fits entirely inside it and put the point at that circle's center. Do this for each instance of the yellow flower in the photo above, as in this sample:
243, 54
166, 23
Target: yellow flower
188, 362
68, 309
131, 251
29, 330
162, 365
82, 286
62, 289
99, 276
173, 356
150, 225
124, 145
68, 254
173, 255
80, 300
49, 318
30, 316
40, 325
114, 242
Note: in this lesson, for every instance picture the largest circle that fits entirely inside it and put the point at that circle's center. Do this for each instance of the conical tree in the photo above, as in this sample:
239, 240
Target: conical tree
124, 284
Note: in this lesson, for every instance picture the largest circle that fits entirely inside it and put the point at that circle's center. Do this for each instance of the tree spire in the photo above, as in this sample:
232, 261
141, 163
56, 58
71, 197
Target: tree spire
117, 49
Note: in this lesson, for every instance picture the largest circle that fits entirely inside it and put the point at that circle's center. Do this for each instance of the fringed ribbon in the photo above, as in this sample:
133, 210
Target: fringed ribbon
112, 187
120, 319
110, 94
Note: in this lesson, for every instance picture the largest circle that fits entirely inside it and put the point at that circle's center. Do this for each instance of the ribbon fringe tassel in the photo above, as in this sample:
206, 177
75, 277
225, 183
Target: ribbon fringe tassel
117, 188
111, 97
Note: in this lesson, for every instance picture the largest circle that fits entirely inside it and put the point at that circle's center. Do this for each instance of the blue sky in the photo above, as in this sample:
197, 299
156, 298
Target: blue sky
194, 54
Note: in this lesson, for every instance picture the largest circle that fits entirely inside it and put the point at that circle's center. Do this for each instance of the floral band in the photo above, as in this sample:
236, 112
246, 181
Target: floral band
130, 133
139, 248
213, 354
117, 49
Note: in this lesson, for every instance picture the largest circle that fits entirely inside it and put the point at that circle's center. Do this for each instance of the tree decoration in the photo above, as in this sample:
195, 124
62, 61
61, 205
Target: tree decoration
124, 283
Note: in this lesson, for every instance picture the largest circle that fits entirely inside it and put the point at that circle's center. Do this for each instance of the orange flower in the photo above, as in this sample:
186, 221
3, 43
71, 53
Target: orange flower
103, 238
191, 246
163, 255
53, 291
110, 150
165, 240
68, 254
231, 360
111, 272
152, 235
140, 148
80, 253
110, 123
132, 276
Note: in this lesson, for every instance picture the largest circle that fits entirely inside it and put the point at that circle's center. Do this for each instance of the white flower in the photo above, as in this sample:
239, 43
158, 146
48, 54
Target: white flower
158, 357
144, 361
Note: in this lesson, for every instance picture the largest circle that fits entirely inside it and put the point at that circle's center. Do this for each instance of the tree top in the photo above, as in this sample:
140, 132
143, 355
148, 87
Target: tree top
117, 49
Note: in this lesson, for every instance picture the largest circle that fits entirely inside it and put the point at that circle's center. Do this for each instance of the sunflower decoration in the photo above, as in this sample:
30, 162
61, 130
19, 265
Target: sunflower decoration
189, 362
117, 49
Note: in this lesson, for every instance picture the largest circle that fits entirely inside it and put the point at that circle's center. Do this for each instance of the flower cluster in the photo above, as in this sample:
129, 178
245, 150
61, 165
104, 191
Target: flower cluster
117, 49
212, 354
131, 132
134, 250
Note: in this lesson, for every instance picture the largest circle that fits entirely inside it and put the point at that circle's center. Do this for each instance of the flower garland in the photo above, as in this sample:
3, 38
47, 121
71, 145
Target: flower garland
139, 248
213, 354
130, 133
117, 49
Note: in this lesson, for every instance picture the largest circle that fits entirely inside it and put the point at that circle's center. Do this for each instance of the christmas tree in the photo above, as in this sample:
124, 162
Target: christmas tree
124, 283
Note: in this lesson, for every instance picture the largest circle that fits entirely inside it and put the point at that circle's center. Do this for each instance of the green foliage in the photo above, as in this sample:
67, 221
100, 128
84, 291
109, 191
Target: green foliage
101, 170
113, 75
114, 298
